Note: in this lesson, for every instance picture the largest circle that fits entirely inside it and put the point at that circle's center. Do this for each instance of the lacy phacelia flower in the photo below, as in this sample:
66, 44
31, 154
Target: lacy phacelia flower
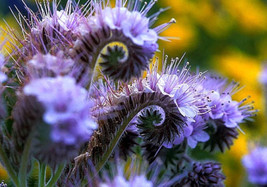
225, 114
67, 23
66, 117
179, 85
222, 107
51, 30
133, 24
62, 20
122, 37
256, 166
49, 64
175, 105
66, 108
136, 181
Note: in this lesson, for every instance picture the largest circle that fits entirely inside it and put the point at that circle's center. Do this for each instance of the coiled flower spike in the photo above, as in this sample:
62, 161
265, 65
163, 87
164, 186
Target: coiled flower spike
91, 34
121, 39
129, 105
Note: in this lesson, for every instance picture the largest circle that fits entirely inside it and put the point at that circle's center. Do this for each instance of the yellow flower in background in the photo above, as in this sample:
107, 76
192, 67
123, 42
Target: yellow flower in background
185, 36
3, 173
244, 69
202, 13
251, 14
231, 161
5, 38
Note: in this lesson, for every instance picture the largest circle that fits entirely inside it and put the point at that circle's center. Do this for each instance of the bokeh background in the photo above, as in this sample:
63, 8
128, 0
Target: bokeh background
224, 36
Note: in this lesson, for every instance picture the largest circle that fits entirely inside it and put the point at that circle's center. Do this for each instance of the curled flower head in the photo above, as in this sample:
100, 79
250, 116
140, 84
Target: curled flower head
256, 165
122, 40
172, 105
58, 110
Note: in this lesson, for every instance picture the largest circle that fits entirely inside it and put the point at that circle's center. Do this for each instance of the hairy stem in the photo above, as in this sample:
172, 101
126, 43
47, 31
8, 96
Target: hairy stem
42, 174
113, 127
56, 176
118, 136
8, 167
94, 63
24, 162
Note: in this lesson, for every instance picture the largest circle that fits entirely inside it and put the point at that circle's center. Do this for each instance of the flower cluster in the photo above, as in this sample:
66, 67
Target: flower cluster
60, 112
133, 182
60, 107
201, 101
67, 110
256, 165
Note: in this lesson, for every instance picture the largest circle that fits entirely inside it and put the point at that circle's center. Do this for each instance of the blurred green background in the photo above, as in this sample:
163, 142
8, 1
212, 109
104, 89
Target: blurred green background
225, 36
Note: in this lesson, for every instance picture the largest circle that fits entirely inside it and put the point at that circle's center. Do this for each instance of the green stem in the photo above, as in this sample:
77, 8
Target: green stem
42, 174
24, 162
56, 176
8, 167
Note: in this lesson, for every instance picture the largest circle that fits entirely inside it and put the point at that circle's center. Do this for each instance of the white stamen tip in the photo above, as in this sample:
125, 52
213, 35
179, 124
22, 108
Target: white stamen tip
173, 20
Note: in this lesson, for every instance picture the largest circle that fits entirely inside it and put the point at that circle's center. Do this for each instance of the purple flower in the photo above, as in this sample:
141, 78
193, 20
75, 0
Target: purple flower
263, 75
198, 134
179, 85
192, 133
133, 24
3, 76
67, 109
185, 99
121, 37
218, 97
42, 64
136, 181
256, 165
63, 21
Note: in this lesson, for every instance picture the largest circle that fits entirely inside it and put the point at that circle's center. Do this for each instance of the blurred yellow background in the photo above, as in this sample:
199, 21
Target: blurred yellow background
224, 36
